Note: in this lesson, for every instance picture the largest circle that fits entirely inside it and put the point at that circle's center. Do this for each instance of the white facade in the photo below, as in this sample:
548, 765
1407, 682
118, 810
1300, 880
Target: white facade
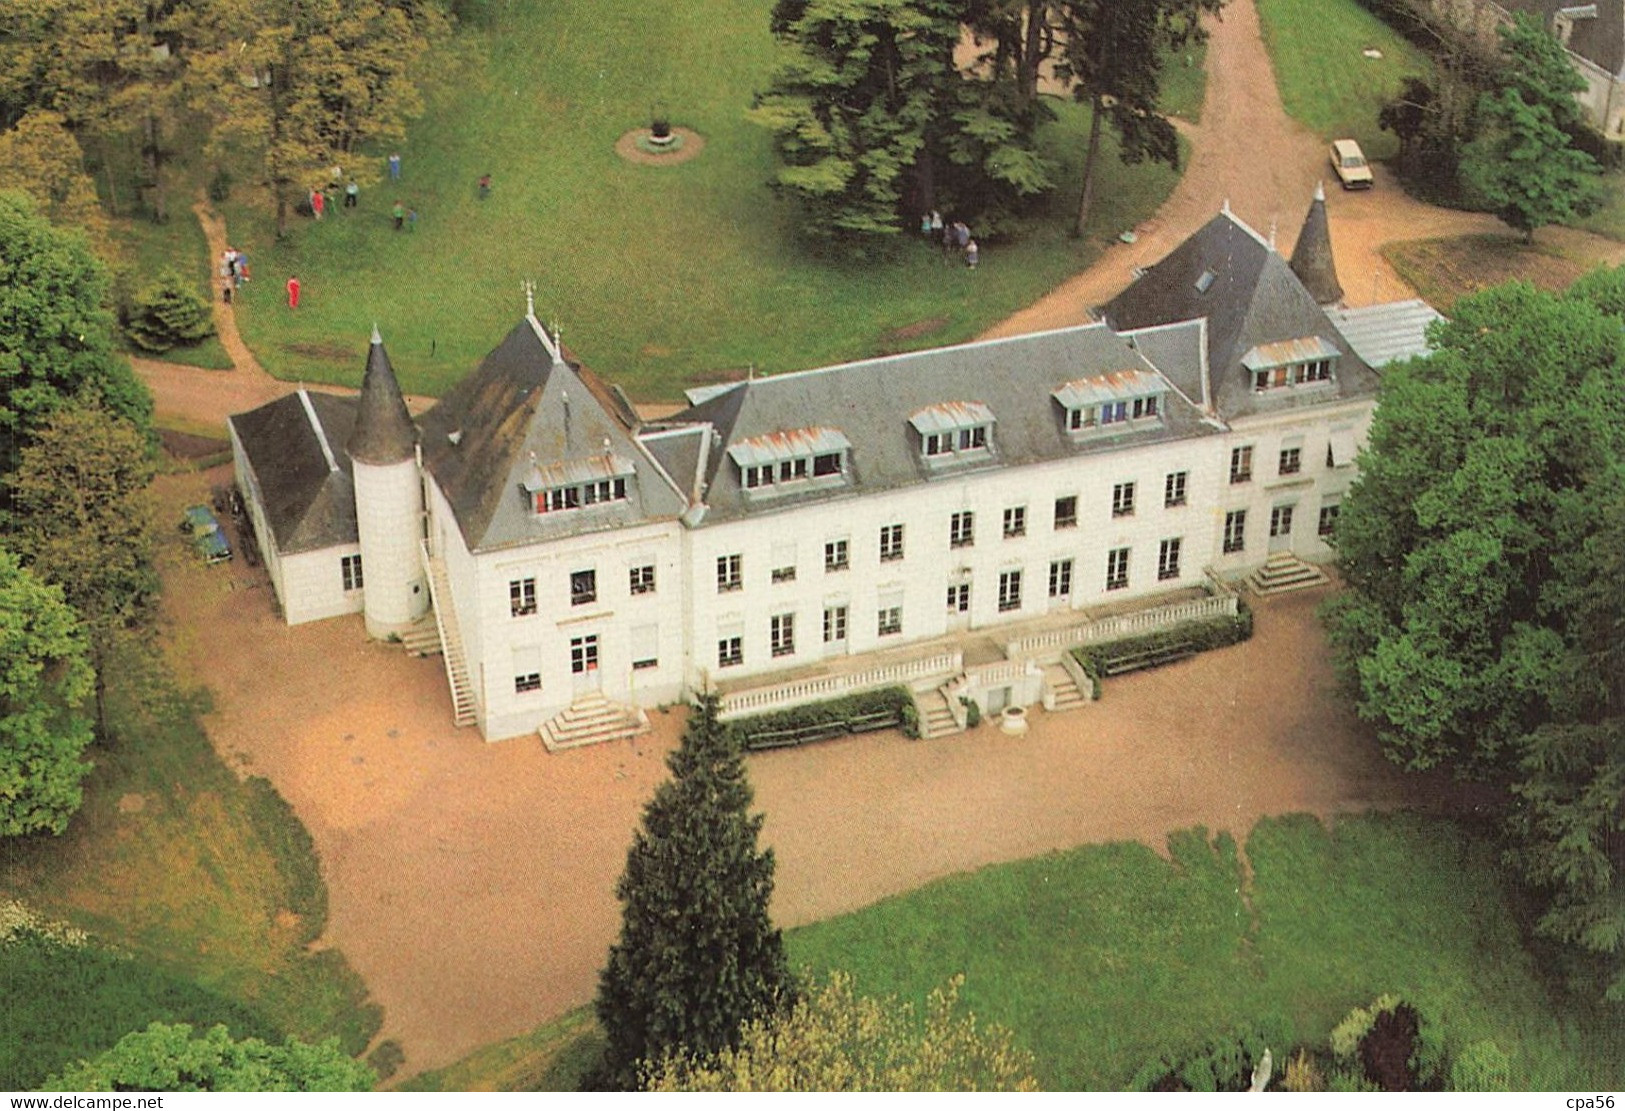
389, 510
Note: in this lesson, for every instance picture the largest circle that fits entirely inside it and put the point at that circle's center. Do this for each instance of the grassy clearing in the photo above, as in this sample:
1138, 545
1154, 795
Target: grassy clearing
551, 1058
201, 878
1325, 80
1608, 220
1101, 958
1444, 270
1184, 83
660, 276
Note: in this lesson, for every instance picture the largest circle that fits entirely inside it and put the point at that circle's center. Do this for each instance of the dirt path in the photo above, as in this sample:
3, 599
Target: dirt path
471, 884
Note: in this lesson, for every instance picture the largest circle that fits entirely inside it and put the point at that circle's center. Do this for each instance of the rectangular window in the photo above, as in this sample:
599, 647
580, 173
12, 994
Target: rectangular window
645, 647
1291, 460
835, 556
1079, 419
729, 573
757, 477
827, 464
1060, 578
583, 587
1145, 407
350, 568
1235, 530
1173, 488
890, 621
527, 670
1117, 569
1318, 371
522, 597
834, 624
959, 598
642, 579
1114, 412
1241, 464
783, 634
1281, 520
730, 651
939, 443
1009, 591
1123, 499
1015, 521
1328, 520
792, 469
891, 543
1066, 511
583, 654
1168, 560
970, 439
962, 530
784, 563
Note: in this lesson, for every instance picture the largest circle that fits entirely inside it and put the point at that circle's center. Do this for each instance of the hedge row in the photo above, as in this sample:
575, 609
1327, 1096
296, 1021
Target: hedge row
1198, 636
818, 721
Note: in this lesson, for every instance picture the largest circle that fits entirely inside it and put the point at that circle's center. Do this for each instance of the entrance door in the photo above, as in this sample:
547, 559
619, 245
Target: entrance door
1281, 528
997, 700
959, 605
584, 669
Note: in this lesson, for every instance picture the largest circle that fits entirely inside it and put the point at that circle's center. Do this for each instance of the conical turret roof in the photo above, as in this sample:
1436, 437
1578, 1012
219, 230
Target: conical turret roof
384, 432
1312, 258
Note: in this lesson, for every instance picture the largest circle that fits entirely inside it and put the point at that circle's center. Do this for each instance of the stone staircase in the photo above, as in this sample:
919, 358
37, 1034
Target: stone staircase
451, 643
1283, 572
592, 719
936, 713
1067, 694
422, 639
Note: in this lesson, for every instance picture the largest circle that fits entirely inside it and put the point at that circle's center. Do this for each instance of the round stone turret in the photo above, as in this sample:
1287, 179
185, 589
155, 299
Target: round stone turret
388, 501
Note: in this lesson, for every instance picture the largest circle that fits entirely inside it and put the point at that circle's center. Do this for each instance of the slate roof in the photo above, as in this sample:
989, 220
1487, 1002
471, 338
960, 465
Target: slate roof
307, 493
384, 432
1312, 259
521, 411
871, 404
1251, 299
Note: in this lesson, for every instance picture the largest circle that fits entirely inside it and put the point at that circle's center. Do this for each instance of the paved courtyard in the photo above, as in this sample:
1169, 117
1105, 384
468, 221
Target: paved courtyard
471, 884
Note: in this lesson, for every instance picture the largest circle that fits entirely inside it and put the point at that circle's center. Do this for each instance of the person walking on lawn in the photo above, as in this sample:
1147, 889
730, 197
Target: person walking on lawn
399, 212
293, 293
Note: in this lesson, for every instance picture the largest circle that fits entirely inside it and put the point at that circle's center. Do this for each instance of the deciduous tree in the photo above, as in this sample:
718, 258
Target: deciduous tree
834, 1040
296, 87
40, 157
56, 335
83, 516
1112, 52
45, 678
1481, 544
168, 1058
1523, 161
698, 956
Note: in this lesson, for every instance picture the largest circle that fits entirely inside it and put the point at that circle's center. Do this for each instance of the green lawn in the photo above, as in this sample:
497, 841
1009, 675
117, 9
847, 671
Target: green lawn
207, 882
1609, 219
660, 276
1325, 80
1101, 958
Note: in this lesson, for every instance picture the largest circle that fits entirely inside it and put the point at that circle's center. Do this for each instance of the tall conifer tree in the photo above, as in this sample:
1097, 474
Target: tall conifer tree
698, 956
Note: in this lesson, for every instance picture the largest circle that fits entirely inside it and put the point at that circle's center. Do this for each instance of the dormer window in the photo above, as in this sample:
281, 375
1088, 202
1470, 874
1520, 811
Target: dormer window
577, 483
954, 431
1124, 399
796, 459
1297, 362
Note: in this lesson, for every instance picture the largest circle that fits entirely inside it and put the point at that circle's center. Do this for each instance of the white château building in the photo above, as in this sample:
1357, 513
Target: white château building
783, 533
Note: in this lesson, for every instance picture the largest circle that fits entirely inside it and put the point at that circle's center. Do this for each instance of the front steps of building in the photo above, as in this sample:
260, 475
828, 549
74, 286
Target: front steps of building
1067, 696
592, 719
1284, 572
422, 639
936, 713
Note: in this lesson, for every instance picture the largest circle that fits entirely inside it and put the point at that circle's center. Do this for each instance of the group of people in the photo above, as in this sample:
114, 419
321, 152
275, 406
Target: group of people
955, 237
319, 197
233, 272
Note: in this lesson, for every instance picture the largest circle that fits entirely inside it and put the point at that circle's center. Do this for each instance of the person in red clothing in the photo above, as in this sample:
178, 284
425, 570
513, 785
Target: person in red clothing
293, 293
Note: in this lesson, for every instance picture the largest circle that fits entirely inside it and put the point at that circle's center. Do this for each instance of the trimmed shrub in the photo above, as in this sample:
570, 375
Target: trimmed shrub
885, 708
973, 712
1097, 660
165, 313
